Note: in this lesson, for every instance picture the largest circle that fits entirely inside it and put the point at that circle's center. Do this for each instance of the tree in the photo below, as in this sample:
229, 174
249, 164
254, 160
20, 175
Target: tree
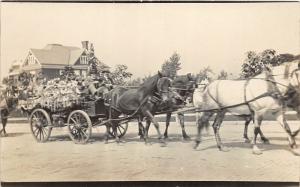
134, 82
24, 79
5, 81
255, 63
223, 75
120, 74
172, 65
205, 73
68, 73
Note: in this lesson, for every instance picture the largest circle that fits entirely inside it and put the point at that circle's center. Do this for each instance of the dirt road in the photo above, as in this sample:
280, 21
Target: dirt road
23, 159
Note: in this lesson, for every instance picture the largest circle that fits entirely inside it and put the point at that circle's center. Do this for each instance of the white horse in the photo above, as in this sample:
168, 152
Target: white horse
252, 97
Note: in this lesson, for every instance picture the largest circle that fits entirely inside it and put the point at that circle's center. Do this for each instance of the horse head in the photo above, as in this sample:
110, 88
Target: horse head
163, 87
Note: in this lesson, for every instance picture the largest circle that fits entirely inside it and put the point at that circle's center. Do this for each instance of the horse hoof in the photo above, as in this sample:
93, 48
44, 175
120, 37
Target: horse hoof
163, 145
265, 140
247, 140
106, 142
256, 151
296, 152
293, 146
196, 144
186, 138
224, 149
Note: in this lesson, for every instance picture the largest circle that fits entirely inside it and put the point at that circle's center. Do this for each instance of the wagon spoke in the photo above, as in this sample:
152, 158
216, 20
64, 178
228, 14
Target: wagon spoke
120, 130
36, 131
35, 117
121, 127
77, 118
73, 120
84, 133
45, 130
80, 136
39, 134
42, 133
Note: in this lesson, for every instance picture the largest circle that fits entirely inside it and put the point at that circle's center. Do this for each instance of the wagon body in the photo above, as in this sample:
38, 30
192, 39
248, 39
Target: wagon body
56, 108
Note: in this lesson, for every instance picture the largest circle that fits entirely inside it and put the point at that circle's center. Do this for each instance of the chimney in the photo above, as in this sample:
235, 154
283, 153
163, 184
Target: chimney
85, 45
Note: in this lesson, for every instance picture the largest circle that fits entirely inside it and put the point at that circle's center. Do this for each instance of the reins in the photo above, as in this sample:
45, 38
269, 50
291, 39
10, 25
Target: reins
145, 100
246, 102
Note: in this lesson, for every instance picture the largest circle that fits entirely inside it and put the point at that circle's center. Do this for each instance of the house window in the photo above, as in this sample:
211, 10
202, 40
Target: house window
31, 60
83, 60
83, 73
77, 72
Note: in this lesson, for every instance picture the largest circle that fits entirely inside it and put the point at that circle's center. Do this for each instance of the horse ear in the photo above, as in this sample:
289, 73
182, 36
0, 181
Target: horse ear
159, 74
189, 76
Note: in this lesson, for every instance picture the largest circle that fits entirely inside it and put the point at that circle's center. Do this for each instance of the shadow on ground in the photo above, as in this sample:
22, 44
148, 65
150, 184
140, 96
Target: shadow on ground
15, 134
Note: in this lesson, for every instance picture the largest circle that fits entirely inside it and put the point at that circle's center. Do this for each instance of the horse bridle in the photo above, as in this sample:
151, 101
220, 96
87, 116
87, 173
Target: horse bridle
159, 91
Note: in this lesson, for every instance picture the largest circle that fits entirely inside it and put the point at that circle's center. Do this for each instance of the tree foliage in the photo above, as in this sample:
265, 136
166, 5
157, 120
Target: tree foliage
255, 63
205, 73
6, 81
24, 79
134, 82
172, 65
68, 73
223, 75
120, 74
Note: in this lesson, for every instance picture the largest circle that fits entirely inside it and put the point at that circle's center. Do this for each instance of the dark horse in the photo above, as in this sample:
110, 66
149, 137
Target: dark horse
137, 103
7, 104
182, 91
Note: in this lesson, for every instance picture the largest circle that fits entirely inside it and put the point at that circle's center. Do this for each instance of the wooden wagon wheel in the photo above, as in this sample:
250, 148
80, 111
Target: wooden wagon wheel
40, 125
121, 130
79, 126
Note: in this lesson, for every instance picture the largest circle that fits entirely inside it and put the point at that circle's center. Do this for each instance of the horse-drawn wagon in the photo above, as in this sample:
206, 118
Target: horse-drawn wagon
62, 104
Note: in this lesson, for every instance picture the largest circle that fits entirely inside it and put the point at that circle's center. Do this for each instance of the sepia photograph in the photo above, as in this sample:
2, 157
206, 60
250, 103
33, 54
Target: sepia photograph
186, 92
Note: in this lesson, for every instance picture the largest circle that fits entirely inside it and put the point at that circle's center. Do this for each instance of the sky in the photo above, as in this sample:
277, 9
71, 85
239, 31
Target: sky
143, 36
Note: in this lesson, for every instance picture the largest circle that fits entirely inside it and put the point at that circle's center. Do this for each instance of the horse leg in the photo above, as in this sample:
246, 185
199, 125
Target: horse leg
151, 117
248, 120
168, 119
141, 128
2, 127
257, 123
4, 122
263, 138
295, 133
291, 137
201, 121
106, 136
148, 123
1, 117
115, 130
216, 126
180, 118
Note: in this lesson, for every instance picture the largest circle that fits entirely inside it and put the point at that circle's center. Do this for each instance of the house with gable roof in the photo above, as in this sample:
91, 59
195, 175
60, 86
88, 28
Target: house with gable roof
52, 59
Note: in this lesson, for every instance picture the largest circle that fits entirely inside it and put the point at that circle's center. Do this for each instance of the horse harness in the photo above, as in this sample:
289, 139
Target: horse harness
273, 91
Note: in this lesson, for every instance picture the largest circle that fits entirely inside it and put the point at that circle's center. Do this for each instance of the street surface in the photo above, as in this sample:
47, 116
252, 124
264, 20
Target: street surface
59, 159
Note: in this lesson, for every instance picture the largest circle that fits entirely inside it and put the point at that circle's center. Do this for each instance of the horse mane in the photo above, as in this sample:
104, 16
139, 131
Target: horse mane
149, 83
